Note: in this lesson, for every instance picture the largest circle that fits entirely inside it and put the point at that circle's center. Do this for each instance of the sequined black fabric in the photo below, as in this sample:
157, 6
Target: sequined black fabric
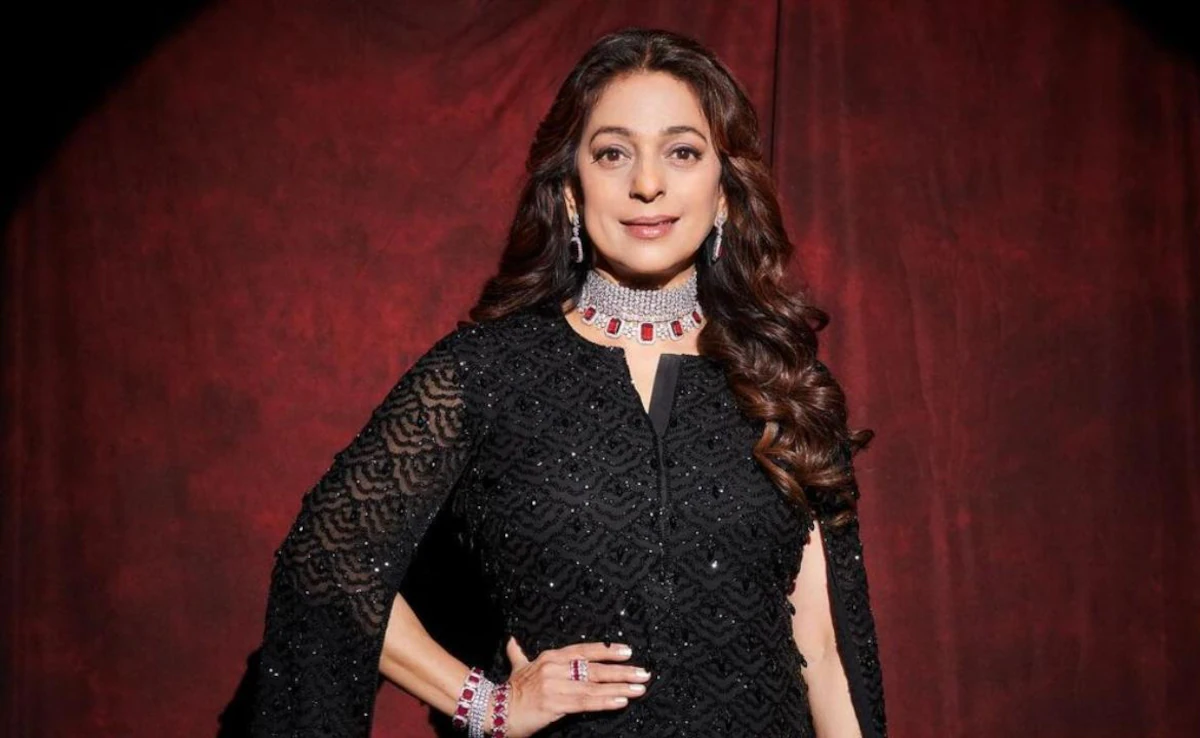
589, 524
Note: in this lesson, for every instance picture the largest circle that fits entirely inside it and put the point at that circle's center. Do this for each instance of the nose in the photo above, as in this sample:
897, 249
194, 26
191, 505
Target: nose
647, 182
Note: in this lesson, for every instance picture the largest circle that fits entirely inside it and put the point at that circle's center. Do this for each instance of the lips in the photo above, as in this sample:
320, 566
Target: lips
651, 220
649, 227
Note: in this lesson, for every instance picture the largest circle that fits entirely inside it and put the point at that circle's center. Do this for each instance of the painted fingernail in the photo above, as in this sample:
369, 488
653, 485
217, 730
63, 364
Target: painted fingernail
637, 688
642, 673
624, 650
621, 700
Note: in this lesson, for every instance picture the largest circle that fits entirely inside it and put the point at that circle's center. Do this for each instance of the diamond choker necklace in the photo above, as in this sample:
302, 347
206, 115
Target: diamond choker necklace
646, 315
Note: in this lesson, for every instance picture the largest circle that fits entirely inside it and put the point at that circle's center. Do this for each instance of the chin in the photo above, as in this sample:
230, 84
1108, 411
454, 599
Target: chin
651, 265
649, 259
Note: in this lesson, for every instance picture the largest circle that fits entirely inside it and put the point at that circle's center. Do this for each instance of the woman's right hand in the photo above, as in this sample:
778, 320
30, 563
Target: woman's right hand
543, 691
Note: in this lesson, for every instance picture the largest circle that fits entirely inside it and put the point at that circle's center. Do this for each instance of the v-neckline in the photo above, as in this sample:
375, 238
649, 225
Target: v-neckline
666, 375
662, 391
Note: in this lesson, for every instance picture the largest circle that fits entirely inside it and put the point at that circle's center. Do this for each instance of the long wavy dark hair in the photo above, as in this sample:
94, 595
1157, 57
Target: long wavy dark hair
764, 335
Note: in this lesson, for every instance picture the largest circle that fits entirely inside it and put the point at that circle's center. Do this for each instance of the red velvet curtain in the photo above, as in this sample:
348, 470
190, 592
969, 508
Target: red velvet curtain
231, 258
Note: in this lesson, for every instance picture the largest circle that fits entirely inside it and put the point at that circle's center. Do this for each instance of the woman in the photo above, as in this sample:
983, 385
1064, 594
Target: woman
637, 435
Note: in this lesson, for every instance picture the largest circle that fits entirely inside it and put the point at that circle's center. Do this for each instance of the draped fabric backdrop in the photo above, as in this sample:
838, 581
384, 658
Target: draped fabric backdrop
230, 259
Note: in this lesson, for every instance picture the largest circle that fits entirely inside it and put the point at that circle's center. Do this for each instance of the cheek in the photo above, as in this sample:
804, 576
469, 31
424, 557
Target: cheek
696, 230
607, 200
699, 199
699, 189
603, 192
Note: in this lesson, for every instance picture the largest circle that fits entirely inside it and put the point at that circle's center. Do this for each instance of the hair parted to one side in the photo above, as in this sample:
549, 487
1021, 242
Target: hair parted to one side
764, 335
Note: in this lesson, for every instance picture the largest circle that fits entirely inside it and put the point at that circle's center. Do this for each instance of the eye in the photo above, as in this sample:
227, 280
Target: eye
696, 155
605, 155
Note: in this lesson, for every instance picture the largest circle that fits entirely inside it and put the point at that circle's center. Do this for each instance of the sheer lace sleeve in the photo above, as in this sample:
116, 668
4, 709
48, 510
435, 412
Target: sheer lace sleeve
854, 623
340, 565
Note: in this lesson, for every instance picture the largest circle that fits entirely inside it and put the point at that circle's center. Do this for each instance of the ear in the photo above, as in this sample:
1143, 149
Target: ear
569, 197
722, 205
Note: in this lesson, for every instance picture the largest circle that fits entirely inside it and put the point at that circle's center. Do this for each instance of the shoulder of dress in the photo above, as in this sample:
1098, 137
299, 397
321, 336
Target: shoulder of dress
496, 356
493, 339
498, 359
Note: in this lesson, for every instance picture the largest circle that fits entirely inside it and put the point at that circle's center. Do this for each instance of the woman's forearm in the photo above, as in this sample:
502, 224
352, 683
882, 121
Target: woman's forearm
829, 698
415, 662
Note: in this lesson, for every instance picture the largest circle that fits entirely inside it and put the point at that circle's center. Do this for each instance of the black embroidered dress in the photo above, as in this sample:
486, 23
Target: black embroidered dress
593, 520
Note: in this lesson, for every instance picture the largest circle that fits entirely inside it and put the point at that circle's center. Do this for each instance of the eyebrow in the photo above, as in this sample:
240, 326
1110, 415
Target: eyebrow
668, 131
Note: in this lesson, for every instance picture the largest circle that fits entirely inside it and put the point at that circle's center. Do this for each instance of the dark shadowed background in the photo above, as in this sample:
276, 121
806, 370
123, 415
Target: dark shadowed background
231, 226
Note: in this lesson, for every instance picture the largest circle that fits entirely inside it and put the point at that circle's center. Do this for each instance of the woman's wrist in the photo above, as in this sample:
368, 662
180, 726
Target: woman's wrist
468, 714
482, 706
489, 713
499, 712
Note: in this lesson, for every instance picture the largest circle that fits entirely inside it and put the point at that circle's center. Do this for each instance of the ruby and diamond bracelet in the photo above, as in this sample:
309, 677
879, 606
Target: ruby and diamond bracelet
471, 711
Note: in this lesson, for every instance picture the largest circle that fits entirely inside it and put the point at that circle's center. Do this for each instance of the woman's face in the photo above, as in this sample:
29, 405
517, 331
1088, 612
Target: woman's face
647, 154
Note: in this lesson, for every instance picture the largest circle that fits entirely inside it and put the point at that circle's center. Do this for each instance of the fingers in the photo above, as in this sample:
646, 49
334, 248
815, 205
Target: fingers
608, 686
582, 697
544, 690
598, 671
561, 694
516, 656
590, 651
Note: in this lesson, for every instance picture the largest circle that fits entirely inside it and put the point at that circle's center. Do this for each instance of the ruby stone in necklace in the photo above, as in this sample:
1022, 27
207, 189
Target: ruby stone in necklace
644, 315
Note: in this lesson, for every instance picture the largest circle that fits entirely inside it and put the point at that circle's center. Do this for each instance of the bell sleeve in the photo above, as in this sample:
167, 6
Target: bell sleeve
853, 621
343, 559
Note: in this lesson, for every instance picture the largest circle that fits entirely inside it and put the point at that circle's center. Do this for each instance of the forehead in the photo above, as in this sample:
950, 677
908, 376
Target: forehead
646, 103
